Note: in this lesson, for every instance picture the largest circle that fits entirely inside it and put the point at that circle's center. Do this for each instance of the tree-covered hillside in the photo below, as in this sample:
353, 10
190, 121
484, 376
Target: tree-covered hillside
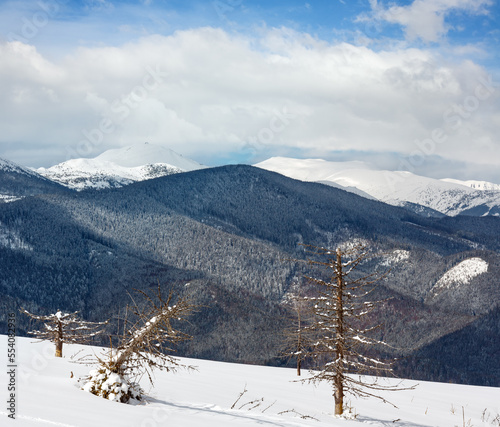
226, 235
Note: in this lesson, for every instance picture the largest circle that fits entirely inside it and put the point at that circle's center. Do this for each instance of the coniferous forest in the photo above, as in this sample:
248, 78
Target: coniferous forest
231, 238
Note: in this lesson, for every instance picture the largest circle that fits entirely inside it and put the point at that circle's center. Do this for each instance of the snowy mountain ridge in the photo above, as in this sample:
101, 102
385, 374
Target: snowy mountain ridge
17, 182
119, 167
8, 166
450, 197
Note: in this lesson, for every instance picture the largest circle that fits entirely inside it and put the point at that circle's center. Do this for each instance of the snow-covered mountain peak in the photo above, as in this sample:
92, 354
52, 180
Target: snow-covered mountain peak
309, 169
146, 153
476, 185
118, 167
400, 188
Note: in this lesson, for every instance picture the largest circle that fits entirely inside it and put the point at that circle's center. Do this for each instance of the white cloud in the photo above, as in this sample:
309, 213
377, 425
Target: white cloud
425, 19
203, 92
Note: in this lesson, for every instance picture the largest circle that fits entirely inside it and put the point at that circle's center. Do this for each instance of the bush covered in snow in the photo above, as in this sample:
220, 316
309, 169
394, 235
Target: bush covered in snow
110, 385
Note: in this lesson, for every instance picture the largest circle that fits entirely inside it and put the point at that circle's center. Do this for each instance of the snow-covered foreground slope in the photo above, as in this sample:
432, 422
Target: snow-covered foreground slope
46, 395
118, 167
450, 197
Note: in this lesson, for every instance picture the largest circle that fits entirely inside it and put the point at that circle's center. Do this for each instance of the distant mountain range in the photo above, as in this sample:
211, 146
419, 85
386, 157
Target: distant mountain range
427, 196
118, 167
123, 166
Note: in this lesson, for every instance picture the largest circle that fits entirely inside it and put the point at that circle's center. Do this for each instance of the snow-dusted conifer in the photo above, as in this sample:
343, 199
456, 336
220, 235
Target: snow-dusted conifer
340, 344
143, 347
65, 328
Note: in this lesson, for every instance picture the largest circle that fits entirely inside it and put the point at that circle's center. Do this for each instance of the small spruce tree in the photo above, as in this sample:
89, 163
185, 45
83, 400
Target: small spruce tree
65, 328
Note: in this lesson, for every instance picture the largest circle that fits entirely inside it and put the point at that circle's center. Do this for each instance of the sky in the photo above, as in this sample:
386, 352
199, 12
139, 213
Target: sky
405, 85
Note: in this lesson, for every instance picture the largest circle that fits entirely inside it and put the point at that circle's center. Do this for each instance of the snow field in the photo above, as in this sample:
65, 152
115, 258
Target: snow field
463, 273
46, 395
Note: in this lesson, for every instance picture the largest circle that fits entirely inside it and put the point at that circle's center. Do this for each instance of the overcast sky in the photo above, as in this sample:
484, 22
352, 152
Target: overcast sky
411, 85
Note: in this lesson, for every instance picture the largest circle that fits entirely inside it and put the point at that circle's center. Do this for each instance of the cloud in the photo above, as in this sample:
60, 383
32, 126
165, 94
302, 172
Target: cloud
203, 92
425, 19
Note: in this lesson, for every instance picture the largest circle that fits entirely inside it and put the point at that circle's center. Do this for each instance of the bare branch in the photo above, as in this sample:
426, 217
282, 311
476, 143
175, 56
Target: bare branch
239, 397
66, 328
146, 342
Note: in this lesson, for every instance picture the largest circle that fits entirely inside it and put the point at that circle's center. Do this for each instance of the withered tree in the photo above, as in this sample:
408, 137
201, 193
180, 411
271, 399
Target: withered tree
144, 346
342, 343
297, 342
65, 328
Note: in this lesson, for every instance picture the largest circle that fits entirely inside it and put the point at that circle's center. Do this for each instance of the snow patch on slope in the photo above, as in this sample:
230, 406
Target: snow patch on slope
461, 274
5, 198
396, 256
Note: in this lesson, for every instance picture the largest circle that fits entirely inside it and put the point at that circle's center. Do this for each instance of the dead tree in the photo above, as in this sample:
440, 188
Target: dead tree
341, 345
145, 346
65, 328
297, 344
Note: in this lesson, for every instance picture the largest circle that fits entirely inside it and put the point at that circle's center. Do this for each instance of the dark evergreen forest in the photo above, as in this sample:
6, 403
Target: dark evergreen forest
230, 237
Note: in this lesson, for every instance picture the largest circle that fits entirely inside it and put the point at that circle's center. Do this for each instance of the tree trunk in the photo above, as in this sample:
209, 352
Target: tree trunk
339, 375
59, 339
299, 340
59, 349
339, 399
134, 344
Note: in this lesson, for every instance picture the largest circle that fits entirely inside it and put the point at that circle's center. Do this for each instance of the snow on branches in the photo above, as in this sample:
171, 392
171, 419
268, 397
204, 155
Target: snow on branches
340, 344
68, 328
143, 347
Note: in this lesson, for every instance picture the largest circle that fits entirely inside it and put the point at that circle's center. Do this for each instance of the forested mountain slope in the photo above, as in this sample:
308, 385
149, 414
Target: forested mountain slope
226, 235
17, 181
